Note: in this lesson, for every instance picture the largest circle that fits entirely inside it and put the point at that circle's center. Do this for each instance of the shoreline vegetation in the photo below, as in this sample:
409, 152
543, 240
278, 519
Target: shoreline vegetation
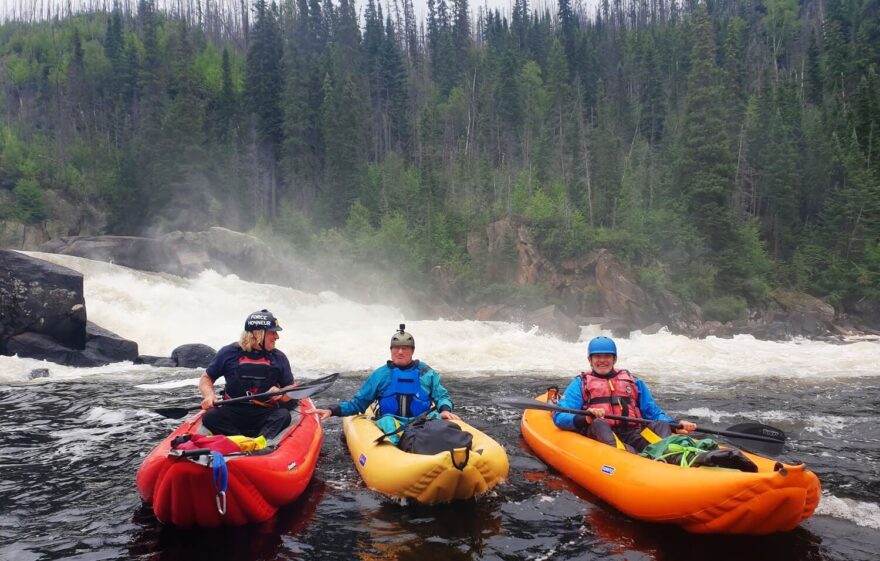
709, 168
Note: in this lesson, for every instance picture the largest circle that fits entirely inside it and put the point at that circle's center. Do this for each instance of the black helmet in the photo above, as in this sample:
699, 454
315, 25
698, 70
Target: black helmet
261, 320
402, 339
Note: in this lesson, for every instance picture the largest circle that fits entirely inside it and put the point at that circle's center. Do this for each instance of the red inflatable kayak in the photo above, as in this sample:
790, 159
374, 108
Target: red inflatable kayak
185, 491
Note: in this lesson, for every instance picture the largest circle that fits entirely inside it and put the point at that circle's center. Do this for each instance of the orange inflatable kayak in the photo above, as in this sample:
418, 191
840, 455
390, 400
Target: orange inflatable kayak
701, 500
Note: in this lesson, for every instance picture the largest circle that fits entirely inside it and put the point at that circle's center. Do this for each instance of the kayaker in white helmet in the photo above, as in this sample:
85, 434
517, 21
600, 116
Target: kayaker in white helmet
606, 390
403, 387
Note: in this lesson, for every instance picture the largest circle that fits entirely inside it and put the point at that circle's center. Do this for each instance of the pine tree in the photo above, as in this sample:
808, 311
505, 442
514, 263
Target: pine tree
263, 86
343, 147
568, 25
263, 80
461, 37
706, 169
813, 76
394, 87
653, 96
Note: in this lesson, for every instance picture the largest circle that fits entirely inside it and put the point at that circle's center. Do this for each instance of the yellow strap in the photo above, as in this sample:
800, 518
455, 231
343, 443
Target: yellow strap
620, 445
650, 435
248, 444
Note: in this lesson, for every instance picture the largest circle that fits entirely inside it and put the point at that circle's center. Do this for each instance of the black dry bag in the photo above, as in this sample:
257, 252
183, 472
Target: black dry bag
432, 436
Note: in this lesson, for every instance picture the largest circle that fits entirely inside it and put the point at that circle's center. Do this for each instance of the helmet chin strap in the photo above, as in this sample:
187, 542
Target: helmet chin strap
262, 343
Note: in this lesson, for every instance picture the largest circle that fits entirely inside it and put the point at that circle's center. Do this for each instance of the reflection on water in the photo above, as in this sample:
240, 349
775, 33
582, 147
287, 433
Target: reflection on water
54, 506
417, 532
268, 540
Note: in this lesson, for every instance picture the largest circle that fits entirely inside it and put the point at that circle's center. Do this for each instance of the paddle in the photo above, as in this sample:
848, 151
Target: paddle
754, 437
302, 391
404, 425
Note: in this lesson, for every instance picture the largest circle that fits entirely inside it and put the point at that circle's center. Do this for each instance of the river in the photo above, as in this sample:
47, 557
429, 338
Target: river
72, 442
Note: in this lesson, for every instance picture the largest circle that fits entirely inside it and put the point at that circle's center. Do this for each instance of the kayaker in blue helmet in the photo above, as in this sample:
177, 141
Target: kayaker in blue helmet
403, 387
606, 390
250, 366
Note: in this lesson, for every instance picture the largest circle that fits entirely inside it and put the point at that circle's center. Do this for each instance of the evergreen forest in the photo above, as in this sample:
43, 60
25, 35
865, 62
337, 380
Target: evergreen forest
720, 148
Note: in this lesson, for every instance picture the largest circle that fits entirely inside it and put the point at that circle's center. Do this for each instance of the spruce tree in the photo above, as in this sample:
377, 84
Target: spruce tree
263, 79
706, 169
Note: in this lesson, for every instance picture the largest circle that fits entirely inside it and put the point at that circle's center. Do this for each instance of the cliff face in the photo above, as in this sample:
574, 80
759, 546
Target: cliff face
596, 288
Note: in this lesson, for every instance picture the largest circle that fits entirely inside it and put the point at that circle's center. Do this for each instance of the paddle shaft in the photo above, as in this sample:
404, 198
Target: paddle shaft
533, 404
298, 392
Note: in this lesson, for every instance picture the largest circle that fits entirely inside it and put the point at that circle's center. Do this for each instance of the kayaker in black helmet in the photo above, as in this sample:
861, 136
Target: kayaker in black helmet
252, 365
606, 390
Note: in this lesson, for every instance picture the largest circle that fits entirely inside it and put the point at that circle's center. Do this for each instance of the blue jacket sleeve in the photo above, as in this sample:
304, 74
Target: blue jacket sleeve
572, 398
649, 408
430, 381
369, 392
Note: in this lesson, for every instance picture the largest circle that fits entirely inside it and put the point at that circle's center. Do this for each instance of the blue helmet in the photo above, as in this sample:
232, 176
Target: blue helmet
601, 346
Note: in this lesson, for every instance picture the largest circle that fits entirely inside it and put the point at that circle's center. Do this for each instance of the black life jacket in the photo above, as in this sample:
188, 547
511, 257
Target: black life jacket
252, 376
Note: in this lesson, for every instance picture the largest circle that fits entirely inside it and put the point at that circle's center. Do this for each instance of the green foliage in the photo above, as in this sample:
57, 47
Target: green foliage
515, 295
868, 271
652, 279
290, 226
30, 201
725, 308
208, 67
717, 151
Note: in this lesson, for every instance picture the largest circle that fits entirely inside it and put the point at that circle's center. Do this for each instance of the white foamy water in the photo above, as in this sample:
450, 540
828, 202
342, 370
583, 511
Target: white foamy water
325, 332
862, 513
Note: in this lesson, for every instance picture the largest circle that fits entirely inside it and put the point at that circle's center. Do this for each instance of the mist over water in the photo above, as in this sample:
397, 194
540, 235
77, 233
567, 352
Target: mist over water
325, 332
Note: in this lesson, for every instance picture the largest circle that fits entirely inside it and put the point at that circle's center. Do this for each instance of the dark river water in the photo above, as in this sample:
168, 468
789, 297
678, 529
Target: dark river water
70, 451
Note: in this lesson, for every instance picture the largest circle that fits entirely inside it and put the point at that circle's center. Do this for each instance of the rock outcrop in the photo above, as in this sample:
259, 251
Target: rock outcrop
41, 298
43, 316
187, 254
144, 254
194, 355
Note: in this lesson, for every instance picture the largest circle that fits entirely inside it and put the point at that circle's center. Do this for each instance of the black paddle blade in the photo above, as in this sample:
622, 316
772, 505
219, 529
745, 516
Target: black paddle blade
520, 403
175, 412
313, 387
759, 430
771, 443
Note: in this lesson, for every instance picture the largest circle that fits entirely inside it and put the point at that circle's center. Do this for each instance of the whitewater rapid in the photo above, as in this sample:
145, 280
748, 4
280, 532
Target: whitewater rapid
325, 332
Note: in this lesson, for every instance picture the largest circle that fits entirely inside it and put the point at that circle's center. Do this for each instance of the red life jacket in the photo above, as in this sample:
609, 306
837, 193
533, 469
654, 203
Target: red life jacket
616, 393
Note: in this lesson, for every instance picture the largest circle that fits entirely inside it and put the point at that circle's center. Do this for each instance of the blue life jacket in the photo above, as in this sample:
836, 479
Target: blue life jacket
405, 396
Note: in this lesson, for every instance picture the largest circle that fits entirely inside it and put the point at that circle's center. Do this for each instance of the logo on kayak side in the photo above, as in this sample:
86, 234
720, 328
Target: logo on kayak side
362, 460
608, 470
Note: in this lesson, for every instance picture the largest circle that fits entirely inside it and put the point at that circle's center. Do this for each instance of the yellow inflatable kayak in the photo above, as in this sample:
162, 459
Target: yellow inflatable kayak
427, 479
700, 500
